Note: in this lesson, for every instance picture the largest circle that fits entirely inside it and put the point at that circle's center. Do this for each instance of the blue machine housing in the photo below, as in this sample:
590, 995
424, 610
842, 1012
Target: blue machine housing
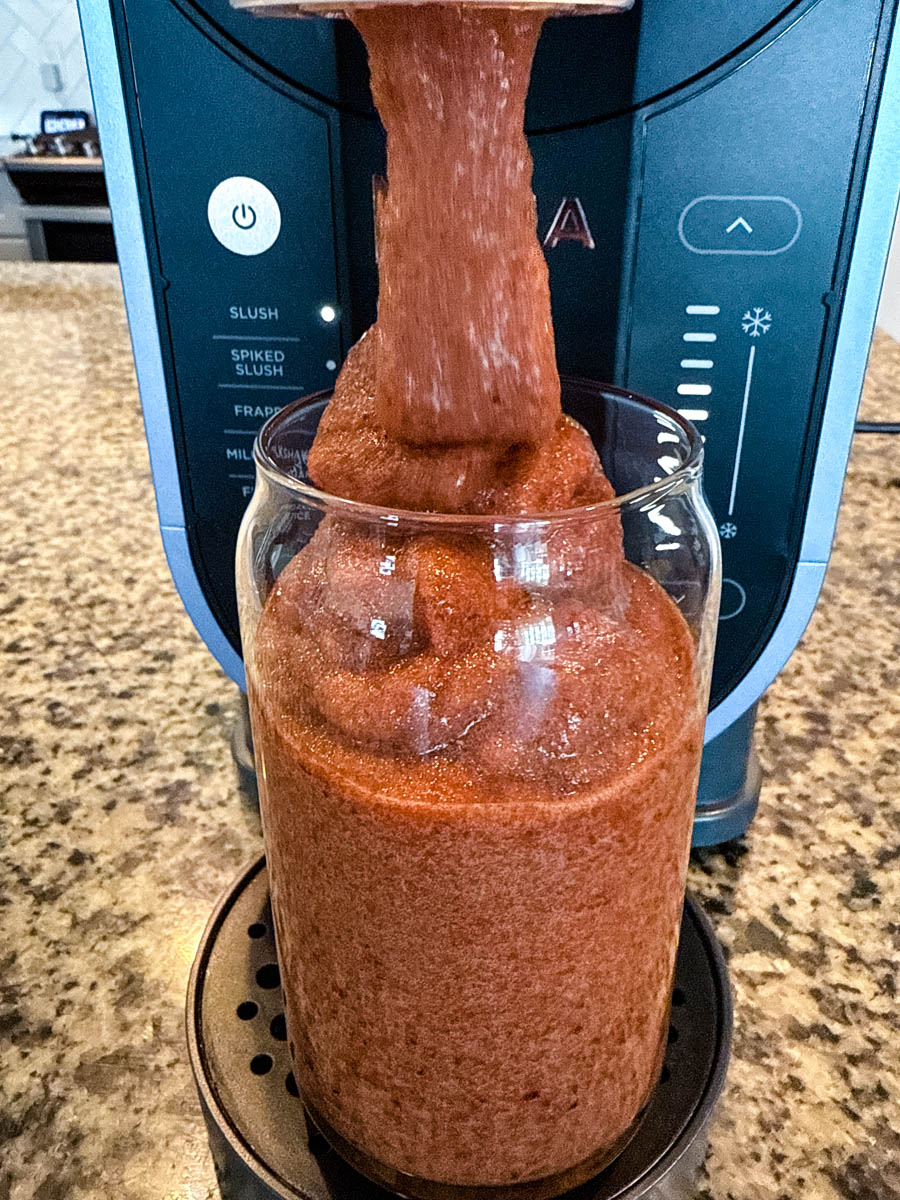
716, 221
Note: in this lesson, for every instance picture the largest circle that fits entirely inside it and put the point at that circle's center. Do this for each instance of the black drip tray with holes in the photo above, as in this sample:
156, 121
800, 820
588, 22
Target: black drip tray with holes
264, 1147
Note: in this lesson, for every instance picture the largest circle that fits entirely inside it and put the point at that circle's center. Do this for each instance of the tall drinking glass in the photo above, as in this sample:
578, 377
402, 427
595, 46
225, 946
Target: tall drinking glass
478, 741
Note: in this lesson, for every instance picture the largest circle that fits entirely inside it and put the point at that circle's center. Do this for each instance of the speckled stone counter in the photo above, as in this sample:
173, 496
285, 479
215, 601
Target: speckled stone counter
120, 821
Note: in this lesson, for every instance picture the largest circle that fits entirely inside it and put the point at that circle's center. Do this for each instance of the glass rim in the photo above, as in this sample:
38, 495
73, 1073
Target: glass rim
658, 489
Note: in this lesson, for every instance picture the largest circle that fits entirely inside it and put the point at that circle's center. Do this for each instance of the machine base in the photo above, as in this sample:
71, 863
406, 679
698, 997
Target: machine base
263, 1145
730, 782
242, 752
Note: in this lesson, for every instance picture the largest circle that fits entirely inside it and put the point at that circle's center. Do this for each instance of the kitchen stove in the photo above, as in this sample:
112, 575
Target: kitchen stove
80, 145
58, 174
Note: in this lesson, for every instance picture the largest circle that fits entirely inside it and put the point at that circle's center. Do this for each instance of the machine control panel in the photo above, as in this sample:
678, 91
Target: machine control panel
695, 245
733, 293
236, 231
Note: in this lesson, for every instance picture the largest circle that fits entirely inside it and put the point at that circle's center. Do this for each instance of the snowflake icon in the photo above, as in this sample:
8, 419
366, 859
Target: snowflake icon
756, 322
728, 529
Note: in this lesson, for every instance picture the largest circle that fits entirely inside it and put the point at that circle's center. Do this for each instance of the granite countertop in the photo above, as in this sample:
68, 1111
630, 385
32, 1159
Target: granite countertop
120, 821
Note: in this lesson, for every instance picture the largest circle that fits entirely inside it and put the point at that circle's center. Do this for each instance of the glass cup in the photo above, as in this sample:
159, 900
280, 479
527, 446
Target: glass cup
478, 741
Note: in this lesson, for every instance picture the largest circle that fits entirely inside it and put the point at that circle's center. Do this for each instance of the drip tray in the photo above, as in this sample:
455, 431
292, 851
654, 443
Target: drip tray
263, 1146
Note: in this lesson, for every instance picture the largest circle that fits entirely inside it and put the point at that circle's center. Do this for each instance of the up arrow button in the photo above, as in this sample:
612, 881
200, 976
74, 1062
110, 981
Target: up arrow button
739, 225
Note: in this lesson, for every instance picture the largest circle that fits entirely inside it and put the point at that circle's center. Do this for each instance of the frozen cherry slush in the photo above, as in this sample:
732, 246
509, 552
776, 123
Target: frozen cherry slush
478, 761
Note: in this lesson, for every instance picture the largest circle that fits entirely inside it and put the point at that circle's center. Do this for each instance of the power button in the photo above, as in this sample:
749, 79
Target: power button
244, 215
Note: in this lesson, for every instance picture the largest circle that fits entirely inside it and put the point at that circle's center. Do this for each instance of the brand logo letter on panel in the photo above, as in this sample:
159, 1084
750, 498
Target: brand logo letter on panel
569, 225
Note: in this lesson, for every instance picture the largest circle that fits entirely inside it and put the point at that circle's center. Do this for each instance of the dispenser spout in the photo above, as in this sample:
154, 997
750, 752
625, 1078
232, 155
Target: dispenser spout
341, 8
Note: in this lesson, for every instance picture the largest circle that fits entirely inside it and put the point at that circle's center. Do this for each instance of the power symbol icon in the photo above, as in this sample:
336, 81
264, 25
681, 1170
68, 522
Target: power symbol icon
243, 216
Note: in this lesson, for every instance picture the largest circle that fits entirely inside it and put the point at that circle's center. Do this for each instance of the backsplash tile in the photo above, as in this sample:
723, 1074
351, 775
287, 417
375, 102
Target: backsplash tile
33, 32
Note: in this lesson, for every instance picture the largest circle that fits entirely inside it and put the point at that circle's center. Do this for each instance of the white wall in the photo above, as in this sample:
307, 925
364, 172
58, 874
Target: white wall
889, 312
33, 32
